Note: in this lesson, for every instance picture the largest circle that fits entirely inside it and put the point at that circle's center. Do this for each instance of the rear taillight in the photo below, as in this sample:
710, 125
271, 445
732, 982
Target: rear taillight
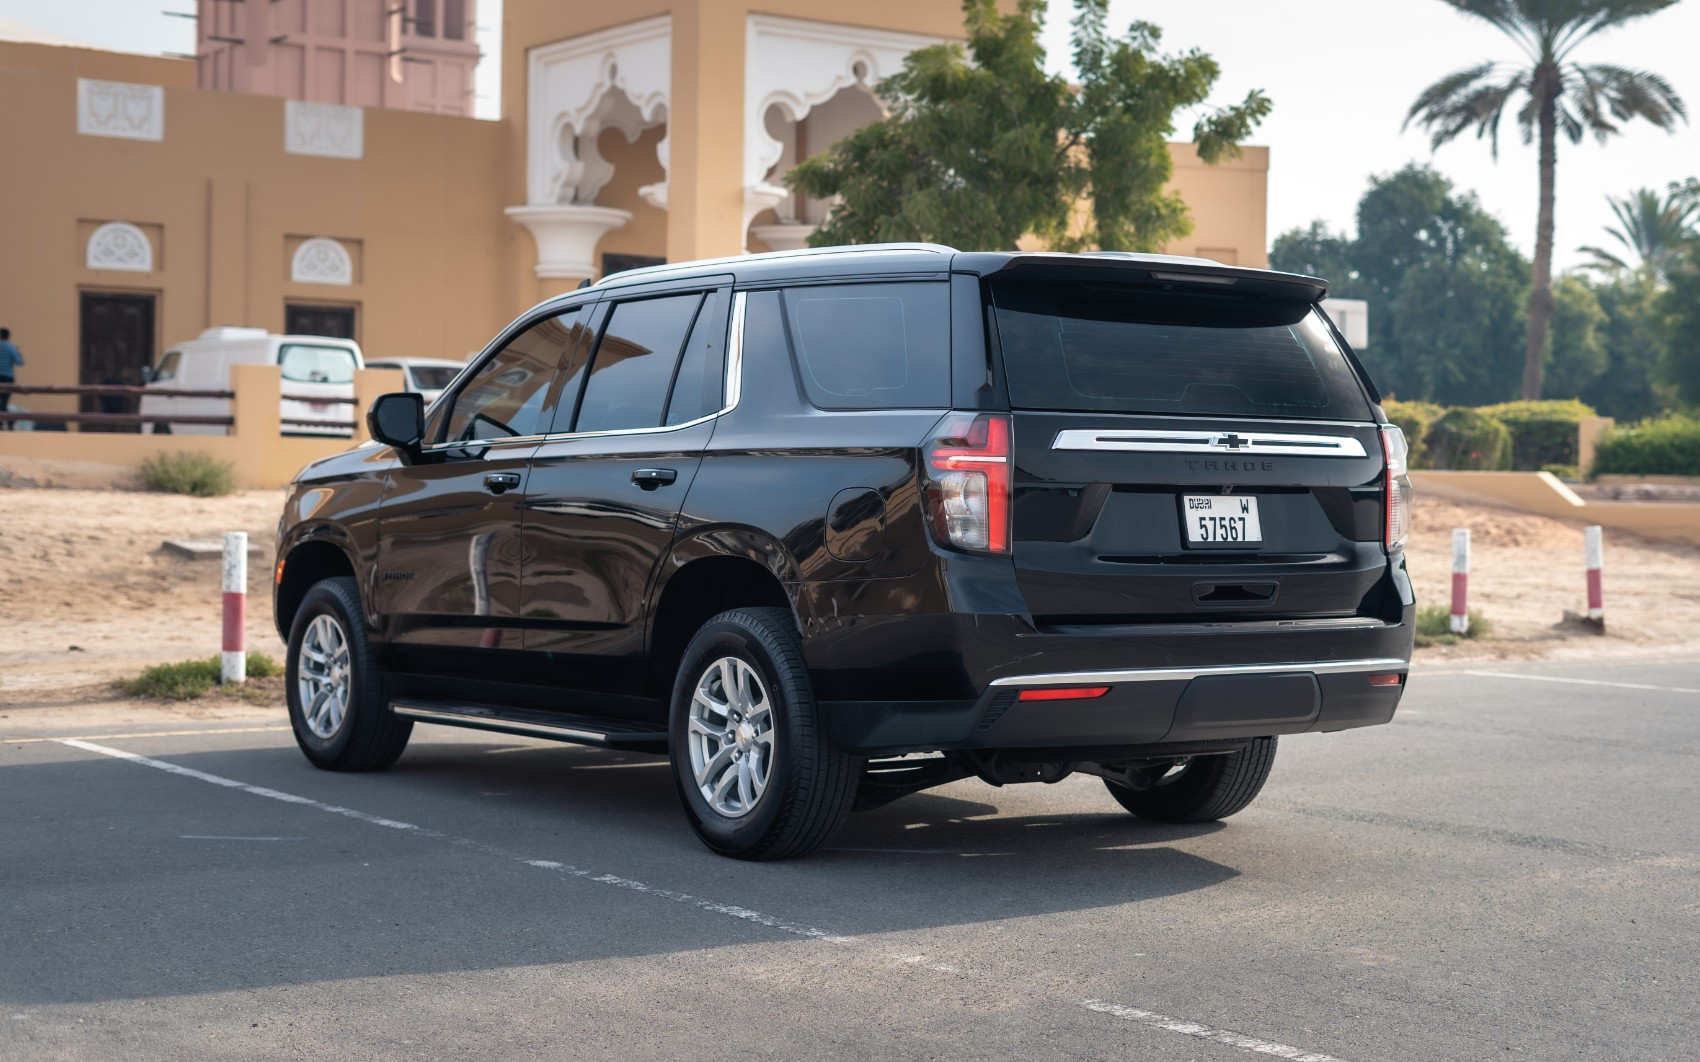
968, 481
1397, 527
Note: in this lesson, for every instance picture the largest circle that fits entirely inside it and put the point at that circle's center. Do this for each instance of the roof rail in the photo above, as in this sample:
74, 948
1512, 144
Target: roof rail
768, 256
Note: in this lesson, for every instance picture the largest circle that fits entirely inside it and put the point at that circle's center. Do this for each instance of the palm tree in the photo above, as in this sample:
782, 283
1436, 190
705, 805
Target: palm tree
1557, 94
1653, 229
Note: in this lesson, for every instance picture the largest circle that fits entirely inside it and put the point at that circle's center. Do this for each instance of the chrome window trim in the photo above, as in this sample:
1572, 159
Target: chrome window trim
732, 390
1186, 674
1178, 441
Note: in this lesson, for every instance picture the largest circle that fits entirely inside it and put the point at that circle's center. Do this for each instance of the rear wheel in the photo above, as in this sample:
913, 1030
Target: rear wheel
755, 767
1204, 788
337, 703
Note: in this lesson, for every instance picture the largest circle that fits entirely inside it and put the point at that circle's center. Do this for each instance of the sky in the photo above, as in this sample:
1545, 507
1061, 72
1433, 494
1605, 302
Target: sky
1341, 73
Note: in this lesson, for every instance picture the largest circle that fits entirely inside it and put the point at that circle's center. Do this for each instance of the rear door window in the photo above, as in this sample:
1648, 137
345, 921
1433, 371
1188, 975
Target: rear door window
1071, 345
312, 363
873, 346
633, 366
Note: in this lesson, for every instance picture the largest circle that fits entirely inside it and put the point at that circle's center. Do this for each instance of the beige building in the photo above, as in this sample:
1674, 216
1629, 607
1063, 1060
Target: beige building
140, 208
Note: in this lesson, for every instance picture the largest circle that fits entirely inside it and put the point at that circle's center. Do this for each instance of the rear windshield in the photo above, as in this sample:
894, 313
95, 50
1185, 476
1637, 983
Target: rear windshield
433, 377
1073, 345
311, 363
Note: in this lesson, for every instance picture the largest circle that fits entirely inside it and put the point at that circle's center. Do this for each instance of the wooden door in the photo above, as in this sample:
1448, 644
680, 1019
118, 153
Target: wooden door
116, 345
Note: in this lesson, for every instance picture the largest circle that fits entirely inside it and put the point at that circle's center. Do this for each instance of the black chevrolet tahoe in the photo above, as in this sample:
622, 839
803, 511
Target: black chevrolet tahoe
833, 526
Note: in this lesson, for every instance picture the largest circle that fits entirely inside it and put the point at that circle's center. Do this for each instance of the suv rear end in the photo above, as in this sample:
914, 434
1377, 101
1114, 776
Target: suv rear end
1169, 520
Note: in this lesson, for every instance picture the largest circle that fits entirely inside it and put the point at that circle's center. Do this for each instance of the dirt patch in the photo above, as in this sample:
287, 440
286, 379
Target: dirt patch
87, 595
1526, 571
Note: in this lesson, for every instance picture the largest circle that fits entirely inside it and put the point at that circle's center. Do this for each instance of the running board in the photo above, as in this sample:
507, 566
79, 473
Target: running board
580, 729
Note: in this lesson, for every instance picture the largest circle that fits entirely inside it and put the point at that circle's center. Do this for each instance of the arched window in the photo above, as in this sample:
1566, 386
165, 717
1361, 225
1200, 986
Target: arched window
321, 260
120, 245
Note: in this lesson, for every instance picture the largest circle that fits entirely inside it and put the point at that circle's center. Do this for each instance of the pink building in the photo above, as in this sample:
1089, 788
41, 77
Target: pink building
412, 54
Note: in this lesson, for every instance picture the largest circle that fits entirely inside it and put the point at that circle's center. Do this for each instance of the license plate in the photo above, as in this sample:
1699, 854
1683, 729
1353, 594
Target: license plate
1220, 520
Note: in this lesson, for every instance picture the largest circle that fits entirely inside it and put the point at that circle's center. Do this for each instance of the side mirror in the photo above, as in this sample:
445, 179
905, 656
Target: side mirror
398, 420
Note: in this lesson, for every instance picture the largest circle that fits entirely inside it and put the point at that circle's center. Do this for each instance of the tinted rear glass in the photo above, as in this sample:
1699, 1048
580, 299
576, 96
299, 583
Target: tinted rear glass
873, 346
1081, 346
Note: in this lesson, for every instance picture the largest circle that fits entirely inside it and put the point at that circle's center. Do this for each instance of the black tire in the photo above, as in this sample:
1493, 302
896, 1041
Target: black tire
369, 737
1206, 789
810, 783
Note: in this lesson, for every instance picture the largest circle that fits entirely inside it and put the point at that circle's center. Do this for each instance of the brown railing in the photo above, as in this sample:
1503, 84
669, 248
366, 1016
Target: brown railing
137, 419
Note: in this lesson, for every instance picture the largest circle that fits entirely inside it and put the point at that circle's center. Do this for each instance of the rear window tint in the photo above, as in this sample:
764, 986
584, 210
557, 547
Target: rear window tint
873, 346
1079, 346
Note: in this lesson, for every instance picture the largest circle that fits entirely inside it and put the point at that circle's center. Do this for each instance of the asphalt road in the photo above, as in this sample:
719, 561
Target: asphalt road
1511, 868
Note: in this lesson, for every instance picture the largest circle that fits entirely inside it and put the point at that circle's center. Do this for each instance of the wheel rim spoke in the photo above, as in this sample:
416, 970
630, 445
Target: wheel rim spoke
324, 676
729, 736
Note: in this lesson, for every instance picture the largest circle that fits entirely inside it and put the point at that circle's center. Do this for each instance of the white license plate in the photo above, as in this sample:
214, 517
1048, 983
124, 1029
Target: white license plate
1220, 520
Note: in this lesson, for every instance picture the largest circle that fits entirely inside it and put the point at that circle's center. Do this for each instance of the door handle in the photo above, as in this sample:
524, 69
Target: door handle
651, 478
500, 482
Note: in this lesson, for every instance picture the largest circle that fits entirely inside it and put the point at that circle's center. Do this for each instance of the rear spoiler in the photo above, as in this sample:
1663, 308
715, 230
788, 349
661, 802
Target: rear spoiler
1157, 270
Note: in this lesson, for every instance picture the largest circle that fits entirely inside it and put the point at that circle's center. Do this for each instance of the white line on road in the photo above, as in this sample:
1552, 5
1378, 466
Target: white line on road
149, 734
1578, 681
1147, 1018
1205, 1032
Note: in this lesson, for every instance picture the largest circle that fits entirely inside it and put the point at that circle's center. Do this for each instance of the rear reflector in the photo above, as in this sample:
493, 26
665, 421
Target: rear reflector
1386, 680
1069, 693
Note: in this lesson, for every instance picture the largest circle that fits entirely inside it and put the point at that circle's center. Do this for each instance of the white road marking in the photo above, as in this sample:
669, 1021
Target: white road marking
1144, 1017
1205, 1032
217, 837
148, 734
1579, 681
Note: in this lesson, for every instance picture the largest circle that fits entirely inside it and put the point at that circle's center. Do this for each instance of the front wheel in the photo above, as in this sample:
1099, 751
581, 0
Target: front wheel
337, 703
756, 770
1204, 788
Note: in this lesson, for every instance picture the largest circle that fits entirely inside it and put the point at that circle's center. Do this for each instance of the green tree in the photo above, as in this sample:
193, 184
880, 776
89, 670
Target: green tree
1316, 252
1577, 354
1634, 336
1555, 94
1680, 305
1652, 230
982, 147
1445, 289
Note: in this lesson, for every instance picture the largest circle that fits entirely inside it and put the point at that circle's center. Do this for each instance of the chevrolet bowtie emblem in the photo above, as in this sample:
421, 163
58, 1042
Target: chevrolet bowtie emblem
1231, 441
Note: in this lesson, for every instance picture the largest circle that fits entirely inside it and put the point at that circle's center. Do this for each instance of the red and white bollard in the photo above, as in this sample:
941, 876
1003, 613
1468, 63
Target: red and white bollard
1593, 549
233, 662
1460, 622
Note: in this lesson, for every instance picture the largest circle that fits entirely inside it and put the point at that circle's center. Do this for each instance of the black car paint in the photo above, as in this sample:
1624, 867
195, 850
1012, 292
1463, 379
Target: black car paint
902, 637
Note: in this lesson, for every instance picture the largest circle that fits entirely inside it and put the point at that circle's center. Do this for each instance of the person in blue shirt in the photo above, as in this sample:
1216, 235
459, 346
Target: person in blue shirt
10, 358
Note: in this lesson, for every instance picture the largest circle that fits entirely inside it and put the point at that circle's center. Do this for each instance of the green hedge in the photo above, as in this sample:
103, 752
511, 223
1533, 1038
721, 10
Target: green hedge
1663, 446
1468, 440
1415, 419
1542, 433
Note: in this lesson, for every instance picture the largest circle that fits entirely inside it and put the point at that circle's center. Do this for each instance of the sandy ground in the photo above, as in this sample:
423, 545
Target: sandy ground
88, 596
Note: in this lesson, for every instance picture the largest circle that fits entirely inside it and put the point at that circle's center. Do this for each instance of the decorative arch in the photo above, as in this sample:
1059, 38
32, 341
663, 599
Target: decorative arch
120, 245
619, 78
321, 260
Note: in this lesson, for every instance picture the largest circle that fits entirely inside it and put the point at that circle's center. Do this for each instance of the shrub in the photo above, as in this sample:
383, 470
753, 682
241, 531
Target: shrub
192, 678
189, 472
1542, 433
1434, 626
1562, 471
1662, 446
1466, 439
1415, 419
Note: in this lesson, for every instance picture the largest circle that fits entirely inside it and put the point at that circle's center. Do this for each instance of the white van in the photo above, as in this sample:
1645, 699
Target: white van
313, 367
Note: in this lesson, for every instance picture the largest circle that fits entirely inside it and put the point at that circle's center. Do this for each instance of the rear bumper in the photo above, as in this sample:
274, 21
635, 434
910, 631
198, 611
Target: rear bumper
1143, 707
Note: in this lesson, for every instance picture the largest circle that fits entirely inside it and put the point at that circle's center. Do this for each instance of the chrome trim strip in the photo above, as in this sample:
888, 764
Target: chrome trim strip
488, 722
1186, 674
1167, 441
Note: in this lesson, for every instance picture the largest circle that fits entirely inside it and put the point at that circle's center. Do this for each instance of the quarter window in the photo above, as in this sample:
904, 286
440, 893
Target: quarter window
505, 396
634, 363
873, 346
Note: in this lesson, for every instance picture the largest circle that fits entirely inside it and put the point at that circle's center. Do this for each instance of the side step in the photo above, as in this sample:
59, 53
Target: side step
580, 729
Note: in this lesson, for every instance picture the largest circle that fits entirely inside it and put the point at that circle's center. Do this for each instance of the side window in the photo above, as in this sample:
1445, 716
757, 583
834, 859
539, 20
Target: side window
699, 385
873, 346
504, 397
310, 363
634, 363
167, 367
